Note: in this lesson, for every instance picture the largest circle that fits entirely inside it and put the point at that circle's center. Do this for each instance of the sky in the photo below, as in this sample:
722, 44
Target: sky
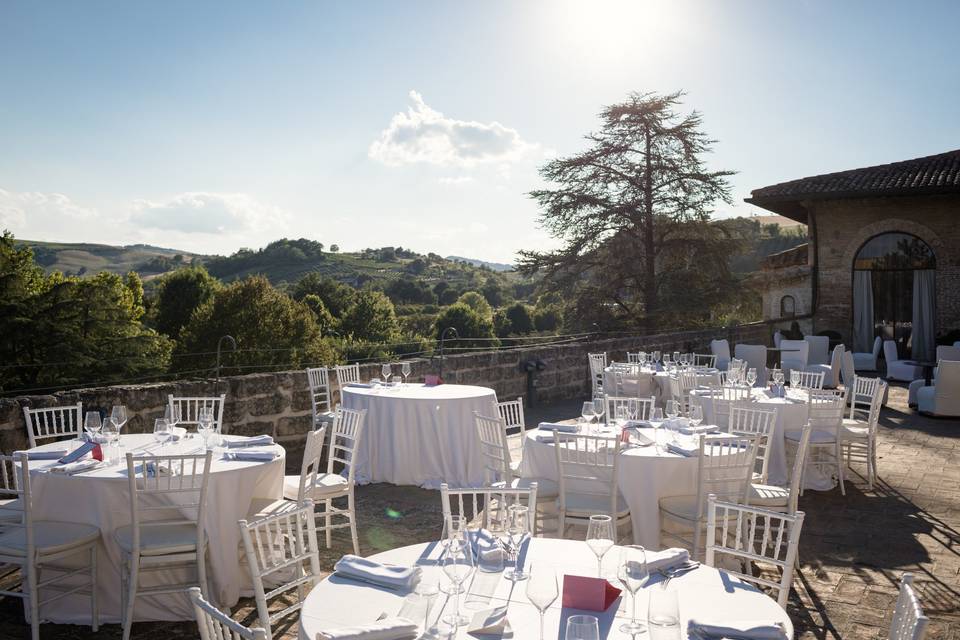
211, 126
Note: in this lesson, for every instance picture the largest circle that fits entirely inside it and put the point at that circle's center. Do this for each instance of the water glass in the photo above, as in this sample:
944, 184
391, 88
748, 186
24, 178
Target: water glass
622, 414
632, 573
426, 592
458, 565
599, 408
542, 590
172, 414
582, 628
600, 538
663, 613
161, 431
794, 379
519, 529
92, 424
205, 425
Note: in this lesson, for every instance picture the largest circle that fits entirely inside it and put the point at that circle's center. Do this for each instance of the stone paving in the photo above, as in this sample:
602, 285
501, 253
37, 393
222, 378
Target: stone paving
854, 548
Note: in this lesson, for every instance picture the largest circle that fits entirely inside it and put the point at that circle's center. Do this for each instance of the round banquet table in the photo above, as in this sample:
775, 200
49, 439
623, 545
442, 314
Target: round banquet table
644, 475
705, 593
102, 498
648, 383
791, 416
419, 435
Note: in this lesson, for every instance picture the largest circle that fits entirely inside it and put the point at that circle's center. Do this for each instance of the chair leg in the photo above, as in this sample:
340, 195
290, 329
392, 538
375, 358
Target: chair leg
327, 506
131, 596
838, 454
353, 524
202, 572
696, 540
94, 610
32, 580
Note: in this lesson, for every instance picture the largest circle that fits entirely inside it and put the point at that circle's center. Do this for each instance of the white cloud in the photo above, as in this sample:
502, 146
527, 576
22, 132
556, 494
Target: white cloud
455, 181
198, 212
24, 210
423, 135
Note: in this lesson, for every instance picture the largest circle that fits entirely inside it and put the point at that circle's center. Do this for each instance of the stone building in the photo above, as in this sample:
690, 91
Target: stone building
883, 258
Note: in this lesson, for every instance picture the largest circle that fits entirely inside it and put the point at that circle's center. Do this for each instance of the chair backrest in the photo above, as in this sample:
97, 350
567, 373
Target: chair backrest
825, 410
796, 473
704, 360
752, 534
793, 354
587, 465
346, 373
687, 381
908, 622
890, 351
15, 485
53, 422
721, 398
483, 505
167, 490
344, 439
511, 412
864, 393
847, 368
319, 380
216, 625
721, 349
748, 420
946, 393
876, 347
836, 363
636, 358
725, 467
819, 349
947, 352
598, 362
644, 406
755, 356
777, 338
806, 379
311, 467
494, 449
282, 550
190, 408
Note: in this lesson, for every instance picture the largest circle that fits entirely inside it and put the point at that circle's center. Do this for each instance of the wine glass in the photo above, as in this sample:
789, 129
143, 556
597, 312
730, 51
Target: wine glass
695, 414
119, 414
582, 628
586, 412
426, 591
458, 565
600, 538
542, 590
673, 409
663, 612
622, 414
751, 377
794, 378
633, 408
405, 371
632, 573
205, 424
454, 530
778, 378
599, 407
92, 424
161, 431
385, 373
656, 357
676, 357
518, 527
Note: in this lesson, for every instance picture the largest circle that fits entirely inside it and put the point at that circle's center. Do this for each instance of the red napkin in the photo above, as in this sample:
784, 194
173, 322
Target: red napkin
97, 453
591, 594
431, 380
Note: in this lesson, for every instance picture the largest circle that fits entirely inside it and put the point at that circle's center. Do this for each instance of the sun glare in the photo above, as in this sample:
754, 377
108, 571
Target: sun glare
614, 27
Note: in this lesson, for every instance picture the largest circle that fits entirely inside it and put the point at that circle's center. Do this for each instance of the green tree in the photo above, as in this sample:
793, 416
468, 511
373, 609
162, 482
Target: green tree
271, 330
520, 318
470, 326
478, 303
324, 319
371, 318
334, 248
493, 292
177, 295
336, 296
620, 206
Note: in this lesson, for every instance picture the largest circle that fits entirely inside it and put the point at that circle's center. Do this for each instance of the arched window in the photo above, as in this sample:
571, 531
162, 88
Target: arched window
788, 307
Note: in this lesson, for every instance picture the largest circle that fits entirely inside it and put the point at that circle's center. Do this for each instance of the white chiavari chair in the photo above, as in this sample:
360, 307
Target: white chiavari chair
754, 535
722, 398
704, 360
806, 380
498, 469
483, 505
40, 547
645, 406
587, 470
747, 419
214, 624
681, 385
597, 362
859, 432
190, 407
724, 468
346, 374
310, 472
783, 498
282, 555
53, 422
636, 358
318, 379
511, 412
908, 622
825, 418
167, 504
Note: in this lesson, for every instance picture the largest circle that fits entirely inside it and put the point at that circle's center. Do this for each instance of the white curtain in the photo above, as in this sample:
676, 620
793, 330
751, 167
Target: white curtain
923, 314
862, 311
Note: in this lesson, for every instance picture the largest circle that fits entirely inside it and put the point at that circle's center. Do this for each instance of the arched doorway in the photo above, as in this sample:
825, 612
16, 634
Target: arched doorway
894, 294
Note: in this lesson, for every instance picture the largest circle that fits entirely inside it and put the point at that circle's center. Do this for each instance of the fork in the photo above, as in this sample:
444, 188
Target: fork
672, 572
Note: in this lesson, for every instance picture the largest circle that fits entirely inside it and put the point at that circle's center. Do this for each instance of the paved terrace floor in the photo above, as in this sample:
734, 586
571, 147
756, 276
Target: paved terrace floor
854, 548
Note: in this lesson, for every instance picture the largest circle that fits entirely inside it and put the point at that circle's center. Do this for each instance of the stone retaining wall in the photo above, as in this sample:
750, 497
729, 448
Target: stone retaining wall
279, 403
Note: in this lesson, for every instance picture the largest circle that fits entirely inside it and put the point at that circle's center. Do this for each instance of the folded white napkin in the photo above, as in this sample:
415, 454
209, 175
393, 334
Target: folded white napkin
385, 575
739, 629
676, 424
75, 467
485, 546
252, 441
386, 629
657, 560
46, 454
638, 424
545, 437
489, 622
153, 469
556, 426
362, 385
691, 430
683, 449
176, 433
250, 455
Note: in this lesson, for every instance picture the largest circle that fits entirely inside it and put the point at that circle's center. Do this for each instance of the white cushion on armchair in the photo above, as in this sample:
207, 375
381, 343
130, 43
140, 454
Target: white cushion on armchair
899, 369
942, 399
868, 361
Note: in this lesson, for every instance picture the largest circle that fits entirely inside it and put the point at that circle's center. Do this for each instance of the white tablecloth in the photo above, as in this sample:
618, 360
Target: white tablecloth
102, 498
644, 474
419, 435
647, 383
705, 593
791, 416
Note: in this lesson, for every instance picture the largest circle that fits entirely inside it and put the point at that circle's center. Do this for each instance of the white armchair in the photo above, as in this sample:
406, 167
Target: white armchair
944, 352
777, 337
831, 372
819, 352
847, 369
755, 355
899, 369
943, 398
721, 349
868, 361
793, 355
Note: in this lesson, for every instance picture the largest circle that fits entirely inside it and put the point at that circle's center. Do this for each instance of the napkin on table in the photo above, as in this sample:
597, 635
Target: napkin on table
485, 545
489, 622
75, 467
252, 441
390, 576
691, 430
681, 449
250, 455
386, 629
676, 424
739, 629
660, 560
362, 385
556, 426
45, 454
